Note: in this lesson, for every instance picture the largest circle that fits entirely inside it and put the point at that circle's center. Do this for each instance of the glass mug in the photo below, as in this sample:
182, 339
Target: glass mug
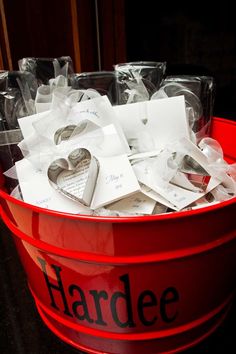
137, 81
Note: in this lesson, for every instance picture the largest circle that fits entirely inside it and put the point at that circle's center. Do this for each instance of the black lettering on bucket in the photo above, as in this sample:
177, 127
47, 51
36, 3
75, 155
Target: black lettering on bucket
91, 306
126, 297
169, 296
81, 304
97, 296
59, 287
151, 300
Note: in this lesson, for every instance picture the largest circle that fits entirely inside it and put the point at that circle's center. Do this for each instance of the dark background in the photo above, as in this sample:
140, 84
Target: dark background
192, 37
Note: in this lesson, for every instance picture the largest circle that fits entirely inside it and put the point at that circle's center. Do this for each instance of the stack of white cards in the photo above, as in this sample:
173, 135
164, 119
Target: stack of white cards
133, 159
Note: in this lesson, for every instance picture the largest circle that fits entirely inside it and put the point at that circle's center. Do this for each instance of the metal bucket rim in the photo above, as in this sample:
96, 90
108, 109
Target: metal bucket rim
120, 219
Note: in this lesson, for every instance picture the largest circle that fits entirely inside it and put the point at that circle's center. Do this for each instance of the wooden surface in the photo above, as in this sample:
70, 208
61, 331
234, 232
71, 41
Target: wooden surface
5, 53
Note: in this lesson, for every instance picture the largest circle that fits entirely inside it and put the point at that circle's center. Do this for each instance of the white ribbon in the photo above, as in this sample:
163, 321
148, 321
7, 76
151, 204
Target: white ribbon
58, 70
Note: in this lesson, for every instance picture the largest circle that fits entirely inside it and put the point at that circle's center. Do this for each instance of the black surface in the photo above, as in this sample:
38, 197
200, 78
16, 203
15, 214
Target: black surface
194, 38
23, 332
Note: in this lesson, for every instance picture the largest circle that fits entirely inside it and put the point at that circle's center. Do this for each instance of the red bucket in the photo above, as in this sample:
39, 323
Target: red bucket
130, 285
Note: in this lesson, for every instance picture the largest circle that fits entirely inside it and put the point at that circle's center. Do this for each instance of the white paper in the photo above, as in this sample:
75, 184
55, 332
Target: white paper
138, 203
100, 111
157, 197
164, 120
177, 196
182, 197
102, 142
110, 145
36, 190
25, 123
116, 180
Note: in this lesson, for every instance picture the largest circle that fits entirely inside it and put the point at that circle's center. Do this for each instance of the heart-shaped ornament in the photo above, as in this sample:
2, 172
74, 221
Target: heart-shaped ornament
65, 133
76, 176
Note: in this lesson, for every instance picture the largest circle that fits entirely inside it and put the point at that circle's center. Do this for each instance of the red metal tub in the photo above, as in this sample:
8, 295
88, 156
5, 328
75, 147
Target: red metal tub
130, 285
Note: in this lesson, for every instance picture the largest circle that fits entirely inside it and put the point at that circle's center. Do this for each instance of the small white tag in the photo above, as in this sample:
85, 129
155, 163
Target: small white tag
116, 180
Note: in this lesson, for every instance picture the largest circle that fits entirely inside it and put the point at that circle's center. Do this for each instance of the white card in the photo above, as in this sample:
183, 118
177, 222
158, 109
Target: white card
99, 111
157, 197
103, 142
138, 203
177, 196
181, 197
36, 190
110, 144
116, 180
164, 120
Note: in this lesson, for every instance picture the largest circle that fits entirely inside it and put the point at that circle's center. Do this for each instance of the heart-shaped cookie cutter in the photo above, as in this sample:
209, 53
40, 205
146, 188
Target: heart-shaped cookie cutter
76, 176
